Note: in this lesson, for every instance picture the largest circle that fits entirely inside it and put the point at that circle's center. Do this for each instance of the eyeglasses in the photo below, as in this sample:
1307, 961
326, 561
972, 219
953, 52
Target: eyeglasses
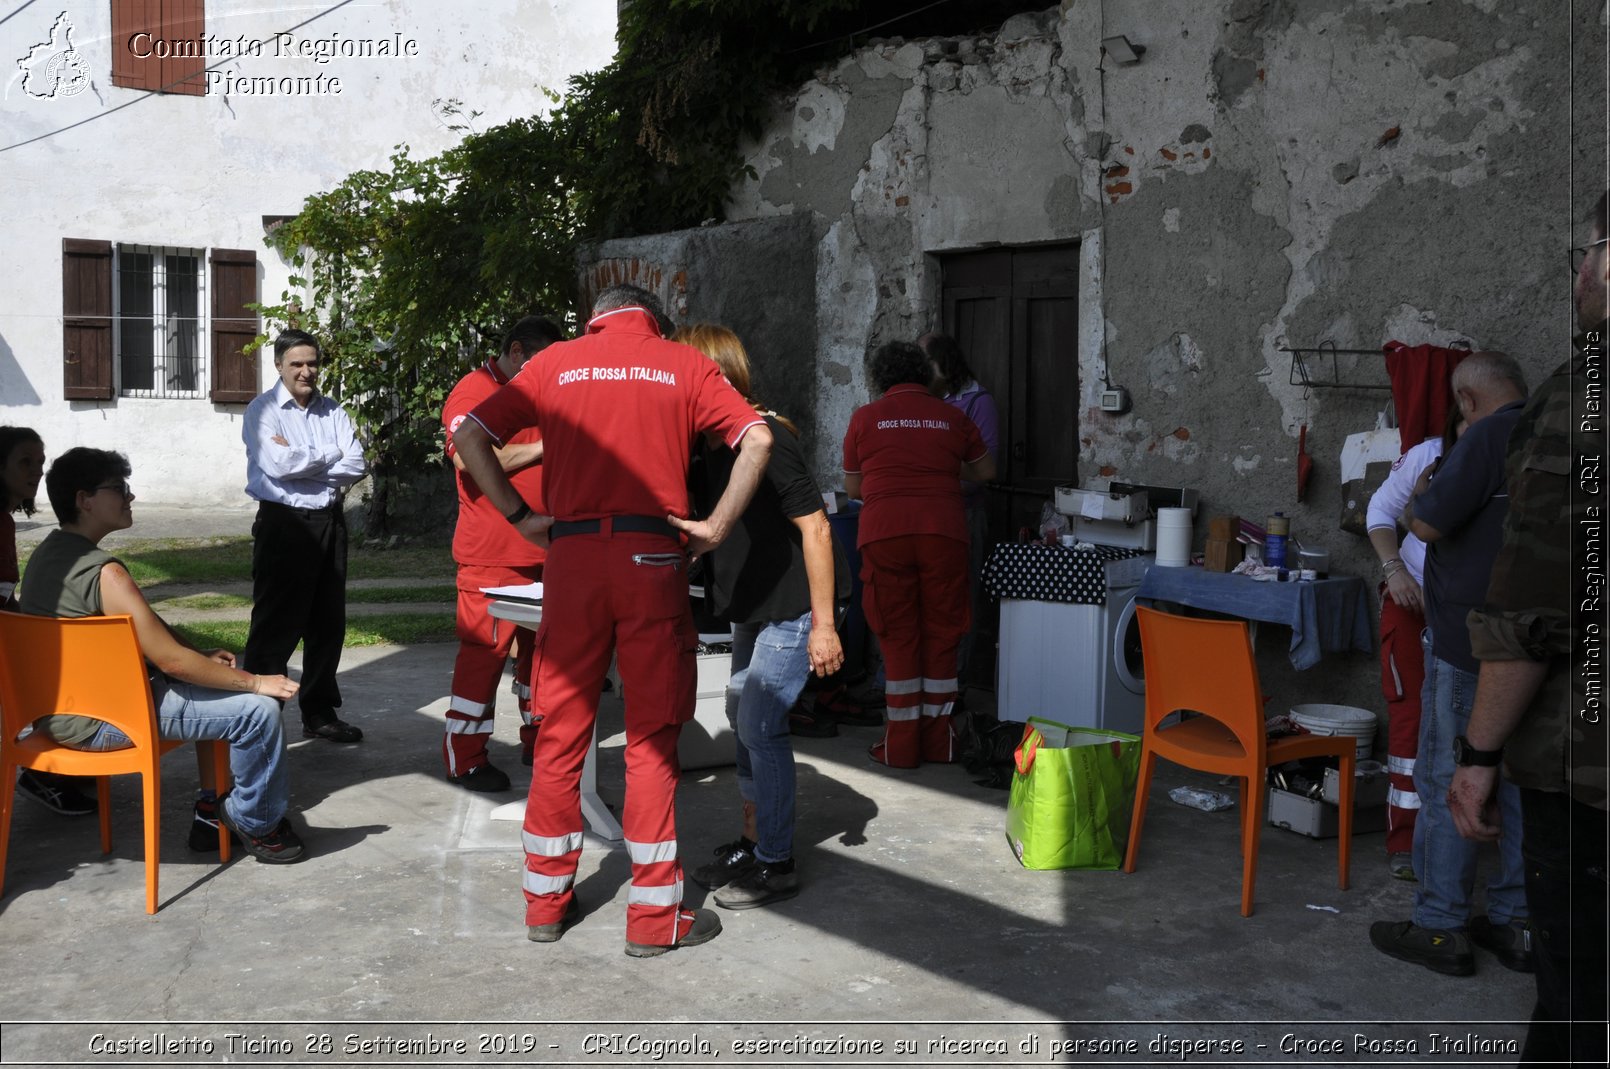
121, 486
1578, 255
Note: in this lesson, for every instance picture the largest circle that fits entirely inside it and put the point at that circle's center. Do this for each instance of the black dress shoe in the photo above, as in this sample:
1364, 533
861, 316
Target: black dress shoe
334, 729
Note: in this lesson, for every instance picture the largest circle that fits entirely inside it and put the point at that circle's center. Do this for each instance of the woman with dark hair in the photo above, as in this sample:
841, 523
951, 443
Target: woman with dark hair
22, 466
775, 578
954, 381
905, 455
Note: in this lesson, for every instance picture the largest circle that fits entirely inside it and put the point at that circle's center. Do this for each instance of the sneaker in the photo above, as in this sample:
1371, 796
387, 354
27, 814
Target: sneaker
732, 860
1438, 949
204, 829
56, 793
1401, 867
702, 926
1510, 943
765, 883
279, 847
483, 779
550, 933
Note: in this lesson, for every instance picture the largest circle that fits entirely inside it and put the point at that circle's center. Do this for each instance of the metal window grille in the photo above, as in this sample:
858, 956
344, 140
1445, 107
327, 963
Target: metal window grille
159, 300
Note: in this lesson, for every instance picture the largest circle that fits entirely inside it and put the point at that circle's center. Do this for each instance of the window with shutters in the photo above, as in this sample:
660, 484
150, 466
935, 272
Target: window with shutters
159, 45
158, 322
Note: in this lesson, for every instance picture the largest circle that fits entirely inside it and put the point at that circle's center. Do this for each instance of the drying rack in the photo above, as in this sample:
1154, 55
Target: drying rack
1312, 373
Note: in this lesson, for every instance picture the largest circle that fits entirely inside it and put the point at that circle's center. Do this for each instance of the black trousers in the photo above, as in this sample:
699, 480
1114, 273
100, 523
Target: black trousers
299, 594
1563, 842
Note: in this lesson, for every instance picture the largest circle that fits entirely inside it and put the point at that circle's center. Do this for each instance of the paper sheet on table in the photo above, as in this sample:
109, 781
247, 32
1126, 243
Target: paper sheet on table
1093, 507
520, 592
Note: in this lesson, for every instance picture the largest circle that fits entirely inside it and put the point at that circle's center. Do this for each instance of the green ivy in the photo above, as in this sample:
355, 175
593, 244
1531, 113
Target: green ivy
413, 272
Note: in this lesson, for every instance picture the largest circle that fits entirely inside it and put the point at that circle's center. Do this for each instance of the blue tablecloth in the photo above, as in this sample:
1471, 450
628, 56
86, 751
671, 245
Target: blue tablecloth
1325, 616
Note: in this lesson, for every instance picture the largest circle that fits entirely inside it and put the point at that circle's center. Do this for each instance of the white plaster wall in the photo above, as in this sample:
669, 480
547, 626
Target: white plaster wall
202, 172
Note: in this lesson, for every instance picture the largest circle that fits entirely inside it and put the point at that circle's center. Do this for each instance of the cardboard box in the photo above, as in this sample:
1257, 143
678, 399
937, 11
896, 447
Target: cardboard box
1317, 818
707, 740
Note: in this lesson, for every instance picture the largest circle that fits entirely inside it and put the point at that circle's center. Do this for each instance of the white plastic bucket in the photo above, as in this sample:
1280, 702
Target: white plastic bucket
1321, 719
1173, 538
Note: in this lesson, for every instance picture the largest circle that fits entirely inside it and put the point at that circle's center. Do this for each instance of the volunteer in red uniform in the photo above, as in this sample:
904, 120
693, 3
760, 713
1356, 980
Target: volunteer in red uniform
903, 455
619, 410
490, 553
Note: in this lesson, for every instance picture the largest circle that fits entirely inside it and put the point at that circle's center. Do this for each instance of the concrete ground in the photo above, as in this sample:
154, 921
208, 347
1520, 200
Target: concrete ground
402, 935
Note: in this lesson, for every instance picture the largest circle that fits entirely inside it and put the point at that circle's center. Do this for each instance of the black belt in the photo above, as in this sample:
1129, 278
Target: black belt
635, 524
333, 507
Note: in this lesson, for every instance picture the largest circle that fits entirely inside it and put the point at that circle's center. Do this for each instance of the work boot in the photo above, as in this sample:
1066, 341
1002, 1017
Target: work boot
694, 925
550, 933
483, 779
1438, 949
1510, 943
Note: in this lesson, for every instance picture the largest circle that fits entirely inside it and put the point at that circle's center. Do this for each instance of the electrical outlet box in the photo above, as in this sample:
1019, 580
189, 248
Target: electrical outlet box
1115, 399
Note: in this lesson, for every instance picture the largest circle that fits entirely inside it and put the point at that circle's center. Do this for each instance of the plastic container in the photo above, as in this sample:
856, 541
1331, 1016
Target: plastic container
1197, 798
1321, 719
1276, 531
1173, 538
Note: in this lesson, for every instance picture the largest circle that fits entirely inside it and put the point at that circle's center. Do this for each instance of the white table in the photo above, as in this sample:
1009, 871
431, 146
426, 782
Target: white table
594, 813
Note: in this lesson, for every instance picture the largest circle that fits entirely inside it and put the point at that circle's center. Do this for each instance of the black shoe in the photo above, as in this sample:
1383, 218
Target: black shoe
704, 926
279, 847
732, 860
1510, 943
483, 779
204, 829
1438, 949
810, 724
56, 793
840, 707
334, 729
550, 933
765, 883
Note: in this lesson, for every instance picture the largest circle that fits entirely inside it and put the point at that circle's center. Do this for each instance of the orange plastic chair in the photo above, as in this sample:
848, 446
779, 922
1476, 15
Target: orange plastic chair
89, 666
1206, 666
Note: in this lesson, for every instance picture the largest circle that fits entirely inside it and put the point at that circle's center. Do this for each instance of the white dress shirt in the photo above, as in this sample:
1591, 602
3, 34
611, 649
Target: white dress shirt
321, 458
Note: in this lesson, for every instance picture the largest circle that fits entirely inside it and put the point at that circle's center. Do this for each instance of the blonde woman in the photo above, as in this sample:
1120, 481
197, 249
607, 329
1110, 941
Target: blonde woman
775, 579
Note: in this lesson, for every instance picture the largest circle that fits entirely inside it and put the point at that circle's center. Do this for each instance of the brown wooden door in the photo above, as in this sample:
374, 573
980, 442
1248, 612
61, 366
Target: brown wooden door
1015, 313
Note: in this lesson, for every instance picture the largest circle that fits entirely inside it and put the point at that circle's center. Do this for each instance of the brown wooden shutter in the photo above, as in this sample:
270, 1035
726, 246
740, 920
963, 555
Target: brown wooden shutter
138, 26
234, 326
86, 307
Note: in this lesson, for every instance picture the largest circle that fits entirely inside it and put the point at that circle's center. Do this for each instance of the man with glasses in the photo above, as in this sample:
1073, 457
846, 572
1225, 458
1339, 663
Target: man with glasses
301, 455
199, 694
1540, 639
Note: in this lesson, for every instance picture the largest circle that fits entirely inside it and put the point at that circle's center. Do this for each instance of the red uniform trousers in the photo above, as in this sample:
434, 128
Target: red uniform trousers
1403, 673
916, 602
483, 649
626, 593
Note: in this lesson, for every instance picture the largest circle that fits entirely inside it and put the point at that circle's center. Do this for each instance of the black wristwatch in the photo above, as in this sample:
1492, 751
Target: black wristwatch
519, 514
1466, 755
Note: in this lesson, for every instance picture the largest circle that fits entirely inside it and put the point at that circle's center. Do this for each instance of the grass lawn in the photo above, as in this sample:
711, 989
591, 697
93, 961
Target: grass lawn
389, 629
229, 560
389, 595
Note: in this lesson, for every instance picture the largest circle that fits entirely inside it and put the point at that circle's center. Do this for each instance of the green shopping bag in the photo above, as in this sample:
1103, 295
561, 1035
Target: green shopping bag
1072, 792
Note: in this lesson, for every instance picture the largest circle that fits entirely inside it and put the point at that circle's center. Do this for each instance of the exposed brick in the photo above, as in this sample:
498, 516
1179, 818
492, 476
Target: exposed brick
1182, 434
902, 201
1108, 471
1167, 155
1119, 189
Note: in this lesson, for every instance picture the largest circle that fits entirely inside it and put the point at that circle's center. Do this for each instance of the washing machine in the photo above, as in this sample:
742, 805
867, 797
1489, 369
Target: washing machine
1075, 664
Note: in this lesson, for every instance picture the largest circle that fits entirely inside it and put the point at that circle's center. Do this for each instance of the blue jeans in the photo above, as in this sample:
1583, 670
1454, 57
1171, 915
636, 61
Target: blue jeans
251, 723
769, 665
1445, 861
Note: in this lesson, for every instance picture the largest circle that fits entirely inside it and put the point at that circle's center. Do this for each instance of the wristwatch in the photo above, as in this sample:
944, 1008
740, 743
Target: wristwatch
1466, 755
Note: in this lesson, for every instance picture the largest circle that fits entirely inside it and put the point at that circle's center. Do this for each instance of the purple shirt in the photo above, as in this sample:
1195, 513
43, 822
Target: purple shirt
979, 406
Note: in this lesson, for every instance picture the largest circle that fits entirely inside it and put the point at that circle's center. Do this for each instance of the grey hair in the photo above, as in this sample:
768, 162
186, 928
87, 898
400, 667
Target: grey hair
1490, 373
628, 296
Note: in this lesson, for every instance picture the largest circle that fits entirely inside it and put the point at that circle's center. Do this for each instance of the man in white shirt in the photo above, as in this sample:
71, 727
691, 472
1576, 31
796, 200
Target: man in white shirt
301, 454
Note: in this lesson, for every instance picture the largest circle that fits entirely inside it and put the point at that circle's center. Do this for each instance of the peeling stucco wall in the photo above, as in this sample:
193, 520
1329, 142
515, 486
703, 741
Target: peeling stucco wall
1271, 174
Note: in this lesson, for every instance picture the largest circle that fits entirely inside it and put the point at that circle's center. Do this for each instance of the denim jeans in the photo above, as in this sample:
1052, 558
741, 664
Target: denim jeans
251, 723
769, 665
1445, 861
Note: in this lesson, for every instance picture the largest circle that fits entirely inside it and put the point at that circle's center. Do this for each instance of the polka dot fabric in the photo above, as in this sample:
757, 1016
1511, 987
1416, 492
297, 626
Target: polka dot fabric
1030, 572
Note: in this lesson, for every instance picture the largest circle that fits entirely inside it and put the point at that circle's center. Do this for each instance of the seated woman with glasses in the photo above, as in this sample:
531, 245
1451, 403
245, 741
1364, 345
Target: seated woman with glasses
198, 694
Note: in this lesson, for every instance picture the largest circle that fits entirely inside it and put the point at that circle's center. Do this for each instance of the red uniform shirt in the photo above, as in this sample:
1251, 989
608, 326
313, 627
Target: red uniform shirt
482, 535
908, 446
619, 409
